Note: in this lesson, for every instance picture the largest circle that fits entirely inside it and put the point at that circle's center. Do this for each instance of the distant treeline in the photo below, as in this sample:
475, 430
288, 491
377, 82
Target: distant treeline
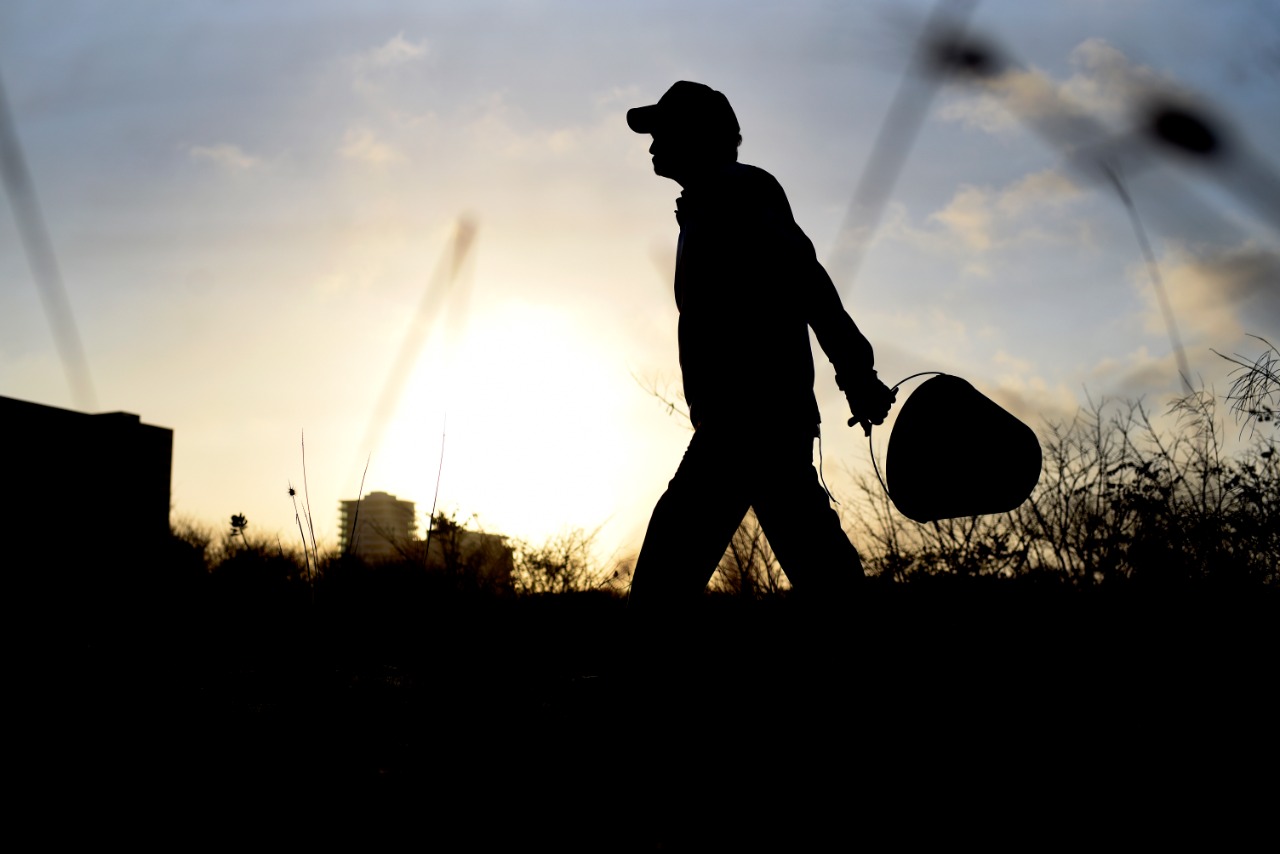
1119, 500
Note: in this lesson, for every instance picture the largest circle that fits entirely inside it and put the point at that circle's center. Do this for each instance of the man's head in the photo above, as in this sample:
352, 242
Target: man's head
693, 127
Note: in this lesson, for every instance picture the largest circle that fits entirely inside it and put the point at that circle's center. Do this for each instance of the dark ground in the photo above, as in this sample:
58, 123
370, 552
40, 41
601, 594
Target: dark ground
973, 711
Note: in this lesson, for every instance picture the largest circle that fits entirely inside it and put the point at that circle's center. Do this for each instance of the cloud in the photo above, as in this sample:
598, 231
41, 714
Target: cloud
1218, 294
982, 112
1135, 374
1012, 363
978, 220
1093, 107
1004, 103
362, 144
1045, 188
506, 131
968, 216
1107, 84
1036, 405
623, 97
225, 155
563, 141
370, 68
397, 51
1026, 393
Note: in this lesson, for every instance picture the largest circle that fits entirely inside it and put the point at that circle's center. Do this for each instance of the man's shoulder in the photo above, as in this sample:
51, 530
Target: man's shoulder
751, 177
752, 185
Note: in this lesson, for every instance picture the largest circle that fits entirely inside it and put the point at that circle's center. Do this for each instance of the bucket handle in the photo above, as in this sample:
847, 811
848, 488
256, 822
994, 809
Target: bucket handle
866, 425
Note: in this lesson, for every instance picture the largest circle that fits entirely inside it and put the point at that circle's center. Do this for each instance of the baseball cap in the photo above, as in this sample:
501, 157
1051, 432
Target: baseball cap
687, 106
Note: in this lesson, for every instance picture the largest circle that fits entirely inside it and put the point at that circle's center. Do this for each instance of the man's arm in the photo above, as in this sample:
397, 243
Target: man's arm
841, 339
797, 269
848, 349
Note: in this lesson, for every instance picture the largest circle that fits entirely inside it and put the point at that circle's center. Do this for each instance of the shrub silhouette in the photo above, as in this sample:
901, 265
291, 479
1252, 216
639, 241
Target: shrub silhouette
1119, 498
749, 569
1255, 389
565, 563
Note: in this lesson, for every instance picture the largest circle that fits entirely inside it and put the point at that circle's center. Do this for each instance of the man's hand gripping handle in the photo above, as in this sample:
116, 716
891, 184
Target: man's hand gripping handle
869, 400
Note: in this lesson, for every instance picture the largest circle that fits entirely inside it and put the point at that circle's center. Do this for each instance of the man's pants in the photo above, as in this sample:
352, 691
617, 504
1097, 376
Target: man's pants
723, 474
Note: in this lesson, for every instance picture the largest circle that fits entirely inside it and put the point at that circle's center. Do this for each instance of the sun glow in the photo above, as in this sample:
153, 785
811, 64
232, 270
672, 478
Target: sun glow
525, 398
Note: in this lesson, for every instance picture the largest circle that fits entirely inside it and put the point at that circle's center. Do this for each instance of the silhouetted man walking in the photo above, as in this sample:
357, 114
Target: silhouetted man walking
749, 287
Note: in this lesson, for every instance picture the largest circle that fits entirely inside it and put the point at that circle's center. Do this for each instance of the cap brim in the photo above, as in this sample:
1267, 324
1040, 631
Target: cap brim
643, 119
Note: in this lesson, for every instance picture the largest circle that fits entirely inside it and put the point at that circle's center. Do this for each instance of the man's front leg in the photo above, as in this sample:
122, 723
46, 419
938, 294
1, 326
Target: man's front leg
690, 528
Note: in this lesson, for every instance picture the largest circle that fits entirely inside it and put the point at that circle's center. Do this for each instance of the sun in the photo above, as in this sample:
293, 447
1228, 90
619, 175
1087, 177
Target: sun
525, 401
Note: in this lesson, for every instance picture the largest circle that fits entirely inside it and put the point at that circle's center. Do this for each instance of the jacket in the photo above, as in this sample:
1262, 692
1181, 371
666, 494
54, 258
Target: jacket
749, 288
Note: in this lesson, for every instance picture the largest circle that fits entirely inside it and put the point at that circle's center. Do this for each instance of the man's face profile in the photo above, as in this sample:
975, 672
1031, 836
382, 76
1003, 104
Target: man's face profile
661, 151
678, 156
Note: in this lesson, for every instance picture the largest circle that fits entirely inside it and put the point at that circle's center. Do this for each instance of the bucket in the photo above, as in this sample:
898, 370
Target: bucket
955, 452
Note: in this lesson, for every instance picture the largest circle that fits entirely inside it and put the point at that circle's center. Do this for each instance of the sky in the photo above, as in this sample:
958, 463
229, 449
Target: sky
254, 211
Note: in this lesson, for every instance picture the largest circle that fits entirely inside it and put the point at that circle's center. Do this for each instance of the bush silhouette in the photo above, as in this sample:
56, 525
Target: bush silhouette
1120, 498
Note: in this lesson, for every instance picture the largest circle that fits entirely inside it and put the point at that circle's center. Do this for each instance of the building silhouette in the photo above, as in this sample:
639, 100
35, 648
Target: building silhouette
377, 527
77, 485
380, 528
472, 559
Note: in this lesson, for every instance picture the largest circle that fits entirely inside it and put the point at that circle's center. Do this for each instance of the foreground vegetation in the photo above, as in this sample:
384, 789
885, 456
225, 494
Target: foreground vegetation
1124, 497
1111, 636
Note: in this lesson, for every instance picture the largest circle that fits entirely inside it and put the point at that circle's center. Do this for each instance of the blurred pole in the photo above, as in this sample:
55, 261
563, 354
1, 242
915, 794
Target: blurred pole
1157, 281
41, 258
438, 288
893, 143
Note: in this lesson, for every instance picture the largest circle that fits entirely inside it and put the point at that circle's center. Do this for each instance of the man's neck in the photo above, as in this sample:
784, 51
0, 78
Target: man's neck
703, 176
